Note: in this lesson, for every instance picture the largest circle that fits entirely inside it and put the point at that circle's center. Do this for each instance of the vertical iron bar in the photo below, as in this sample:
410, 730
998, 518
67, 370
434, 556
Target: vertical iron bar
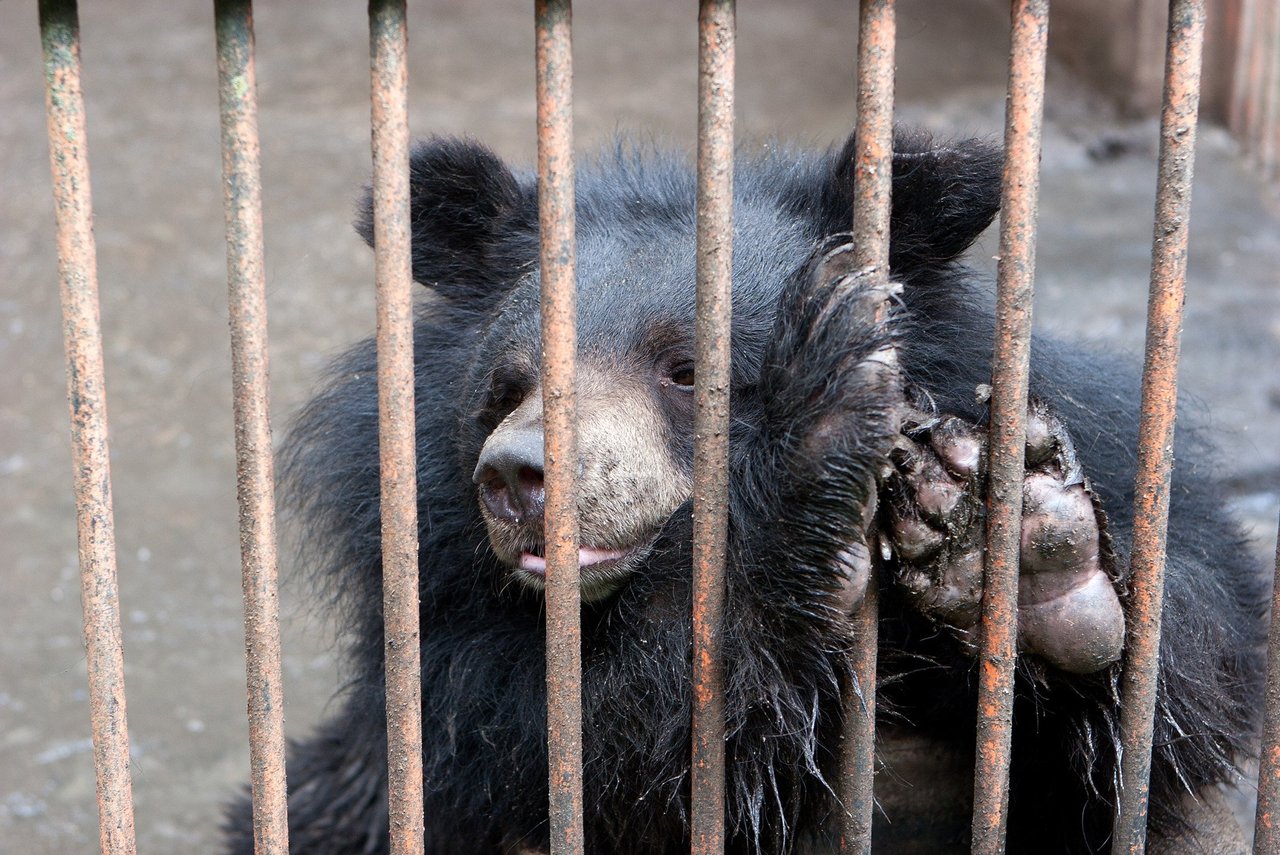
872, 198
1159, 405
711, 418
388, 35
1266, 828
1267, 144
86, 393
1011, 359
1247, 73
1255, 115
556, 222
250, 380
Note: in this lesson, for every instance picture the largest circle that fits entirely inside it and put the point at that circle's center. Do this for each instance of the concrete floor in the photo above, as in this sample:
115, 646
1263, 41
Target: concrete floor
152, 112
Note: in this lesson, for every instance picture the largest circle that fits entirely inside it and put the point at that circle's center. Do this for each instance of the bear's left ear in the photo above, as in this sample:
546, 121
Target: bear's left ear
944, 196
473, 223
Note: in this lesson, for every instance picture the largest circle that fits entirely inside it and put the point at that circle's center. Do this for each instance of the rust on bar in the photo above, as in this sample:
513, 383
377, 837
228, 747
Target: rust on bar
388, 37
86, 394
1245, 69
872, 189
250, 379
1249, 75
1011, 359
1155, 432
1254, 115
1266, 146
1266, 827
1271, 138
716, 43
556, 222
873, 169
858, 769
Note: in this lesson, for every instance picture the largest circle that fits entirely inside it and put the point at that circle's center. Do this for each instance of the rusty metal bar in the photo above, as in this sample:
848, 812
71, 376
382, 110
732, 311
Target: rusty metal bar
1266, 146
556, 221
250, 380
716, 43
1241, 73
1255, 104
1266, 828
872, 197
1011, 360
1247, 75
86, 394
1155, 432
858, 771
388, 48
1255, 115
873, 168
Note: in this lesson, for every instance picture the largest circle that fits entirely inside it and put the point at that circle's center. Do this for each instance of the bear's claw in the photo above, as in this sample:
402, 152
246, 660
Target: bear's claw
1069, 613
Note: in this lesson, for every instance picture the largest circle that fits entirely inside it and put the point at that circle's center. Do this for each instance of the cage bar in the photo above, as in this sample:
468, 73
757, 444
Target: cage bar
1011, 360
1267, 146
872, 197
1155, 431
1249, 76
388, 36
250, 380
1266, 827
556, 222
86, 394
1254, 113
716, 43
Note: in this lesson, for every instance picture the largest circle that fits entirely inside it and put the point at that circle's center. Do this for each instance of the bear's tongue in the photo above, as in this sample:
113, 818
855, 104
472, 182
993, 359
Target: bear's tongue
587, 556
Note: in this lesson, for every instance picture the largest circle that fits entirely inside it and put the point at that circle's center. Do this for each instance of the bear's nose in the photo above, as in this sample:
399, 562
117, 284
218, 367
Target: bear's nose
509, 475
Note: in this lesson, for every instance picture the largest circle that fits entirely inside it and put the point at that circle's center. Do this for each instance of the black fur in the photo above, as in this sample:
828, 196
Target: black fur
787, 663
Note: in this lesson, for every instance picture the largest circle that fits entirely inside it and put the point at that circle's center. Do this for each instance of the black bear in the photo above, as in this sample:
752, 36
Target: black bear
857, 447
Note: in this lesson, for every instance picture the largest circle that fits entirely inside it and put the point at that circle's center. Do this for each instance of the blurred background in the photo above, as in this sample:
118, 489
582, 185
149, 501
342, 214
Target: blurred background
150, 83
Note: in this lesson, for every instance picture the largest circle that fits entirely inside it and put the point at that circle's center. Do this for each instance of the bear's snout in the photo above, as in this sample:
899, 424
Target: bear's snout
630, 478
509, 476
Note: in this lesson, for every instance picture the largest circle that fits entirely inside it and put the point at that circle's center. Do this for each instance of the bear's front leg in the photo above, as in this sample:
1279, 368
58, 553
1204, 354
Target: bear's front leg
1069, 613
812, 441
832, 403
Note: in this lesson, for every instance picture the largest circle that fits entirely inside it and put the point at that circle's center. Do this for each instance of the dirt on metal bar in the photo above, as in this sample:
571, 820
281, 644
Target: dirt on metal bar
872, 189
86, 393
1265, 146
1155, 432
556, 221
250, 379
388, 36
1011, 359
716, 42
1254, 114
1266, 827
1269, 145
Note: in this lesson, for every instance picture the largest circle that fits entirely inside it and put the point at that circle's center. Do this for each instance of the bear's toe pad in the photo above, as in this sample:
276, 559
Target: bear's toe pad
1069, 612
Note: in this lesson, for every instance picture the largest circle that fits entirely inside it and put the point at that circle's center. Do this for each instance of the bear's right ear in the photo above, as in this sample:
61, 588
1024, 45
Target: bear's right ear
944, 196
473, 223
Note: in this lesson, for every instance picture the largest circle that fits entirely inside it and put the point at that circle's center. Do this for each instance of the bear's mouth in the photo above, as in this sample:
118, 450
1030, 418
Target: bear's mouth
603, 571
535, 561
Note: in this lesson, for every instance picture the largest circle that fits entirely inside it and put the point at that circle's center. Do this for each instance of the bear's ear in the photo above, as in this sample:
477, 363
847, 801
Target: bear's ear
944, 196
472, 221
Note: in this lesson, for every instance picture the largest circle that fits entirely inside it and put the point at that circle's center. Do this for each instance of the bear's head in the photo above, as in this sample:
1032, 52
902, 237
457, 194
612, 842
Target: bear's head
475, 246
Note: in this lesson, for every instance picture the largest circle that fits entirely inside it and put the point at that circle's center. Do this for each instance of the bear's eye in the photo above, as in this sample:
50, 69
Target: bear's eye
504, 396
681, 375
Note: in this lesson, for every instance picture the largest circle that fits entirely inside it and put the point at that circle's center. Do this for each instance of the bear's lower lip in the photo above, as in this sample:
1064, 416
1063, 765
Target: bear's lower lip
587, 557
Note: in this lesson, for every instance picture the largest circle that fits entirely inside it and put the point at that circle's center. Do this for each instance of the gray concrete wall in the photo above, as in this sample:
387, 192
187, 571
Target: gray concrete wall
1117, 48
